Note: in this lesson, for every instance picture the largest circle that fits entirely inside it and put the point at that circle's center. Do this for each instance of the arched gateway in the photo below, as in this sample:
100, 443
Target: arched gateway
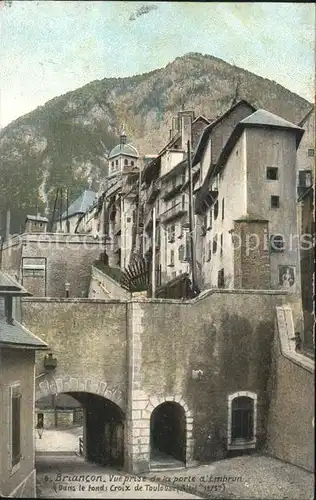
103, 422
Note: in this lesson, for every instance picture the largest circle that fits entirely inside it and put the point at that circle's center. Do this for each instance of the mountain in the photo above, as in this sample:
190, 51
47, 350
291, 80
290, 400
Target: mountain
65, 143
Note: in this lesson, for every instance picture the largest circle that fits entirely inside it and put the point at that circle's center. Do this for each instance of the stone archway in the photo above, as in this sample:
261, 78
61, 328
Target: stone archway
46, 384
103, 414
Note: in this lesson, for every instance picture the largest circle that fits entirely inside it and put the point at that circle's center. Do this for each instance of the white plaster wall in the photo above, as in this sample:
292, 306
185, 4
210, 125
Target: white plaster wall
231, 187
274, 148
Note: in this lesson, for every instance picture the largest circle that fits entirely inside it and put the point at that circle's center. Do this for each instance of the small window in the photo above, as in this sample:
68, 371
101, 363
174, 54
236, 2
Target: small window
272, 173
172, 258
209, 251
132, 163
242, 418
116, 162
275, 202
223, 208
277, 243
310, 152
214, 244
112, 163
221, 249
220, 278
181, 253
15, 425
216, 210
171, 234
125, 162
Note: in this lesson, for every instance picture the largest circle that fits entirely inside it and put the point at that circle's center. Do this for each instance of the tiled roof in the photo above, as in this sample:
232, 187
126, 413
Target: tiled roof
16, 335
265, 118
8, 286
82, 204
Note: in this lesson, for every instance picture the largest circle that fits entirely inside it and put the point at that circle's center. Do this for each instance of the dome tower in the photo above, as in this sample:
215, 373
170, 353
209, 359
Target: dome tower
122, 156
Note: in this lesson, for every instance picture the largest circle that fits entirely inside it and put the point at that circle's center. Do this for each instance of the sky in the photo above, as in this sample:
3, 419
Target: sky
48, 48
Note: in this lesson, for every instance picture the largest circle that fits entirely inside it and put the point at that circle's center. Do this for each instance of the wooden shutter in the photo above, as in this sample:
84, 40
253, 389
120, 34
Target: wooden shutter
16, 426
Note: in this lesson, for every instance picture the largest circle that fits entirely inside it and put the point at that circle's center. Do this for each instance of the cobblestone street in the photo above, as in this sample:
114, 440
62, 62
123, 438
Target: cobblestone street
247, 477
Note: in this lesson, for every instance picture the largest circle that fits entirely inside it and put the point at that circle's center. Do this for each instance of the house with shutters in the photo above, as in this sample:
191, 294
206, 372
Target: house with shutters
165, 188
17, 394
247, 202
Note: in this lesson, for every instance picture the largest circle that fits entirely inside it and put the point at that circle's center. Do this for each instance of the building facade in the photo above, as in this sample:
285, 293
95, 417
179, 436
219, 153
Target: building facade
17, 392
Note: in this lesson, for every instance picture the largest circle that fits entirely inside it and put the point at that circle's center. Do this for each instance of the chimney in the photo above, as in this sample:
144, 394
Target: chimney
185, 119
174, 126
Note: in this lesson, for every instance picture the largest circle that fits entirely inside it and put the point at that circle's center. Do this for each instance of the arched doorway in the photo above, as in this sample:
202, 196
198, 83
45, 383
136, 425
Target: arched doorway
101, 428
168, 432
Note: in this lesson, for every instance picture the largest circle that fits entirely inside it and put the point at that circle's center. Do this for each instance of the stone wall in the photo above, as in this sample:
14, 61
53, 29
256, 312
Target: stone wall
88, 338
291, 434
217, 334
142, 353
68, 259
251, 255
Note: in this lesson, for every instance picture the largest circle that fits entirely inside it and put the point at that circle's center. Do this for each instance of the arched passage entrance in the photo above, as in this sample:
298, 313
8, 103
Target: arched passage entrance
103, 428
168, 432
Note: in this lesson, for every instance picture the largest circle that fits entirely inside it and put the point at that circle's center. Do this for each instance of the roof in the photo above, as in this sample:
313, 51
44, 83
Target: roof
16, 335
82, 204
124, 149
208, 129
261, 119
264, 118
9, 286
37, 218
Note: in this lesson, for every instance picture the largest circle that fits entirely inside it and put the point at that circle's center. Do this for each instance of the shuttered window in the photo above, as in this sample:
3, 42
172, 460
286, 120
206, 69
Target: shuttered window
15, 425
242, 418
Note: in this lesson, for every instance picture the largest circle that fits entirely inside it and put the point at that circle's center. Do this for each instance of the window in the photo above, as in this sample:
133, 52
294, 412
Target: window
125, 162
209, 251
275, 202
112, 163
305, 178
116, 162
181, 253
221, 249
214, 244
272, 173
310, 152
171, 258
220, 279
171, 233
242, 416
15, 425
223, 208
216, 210
132, 163
277, 243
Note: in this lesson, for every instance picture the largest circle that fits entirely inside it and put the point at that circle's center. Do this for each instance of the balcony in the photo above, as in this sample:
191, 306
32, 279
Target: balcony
178, 210
171, 190
152, 191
